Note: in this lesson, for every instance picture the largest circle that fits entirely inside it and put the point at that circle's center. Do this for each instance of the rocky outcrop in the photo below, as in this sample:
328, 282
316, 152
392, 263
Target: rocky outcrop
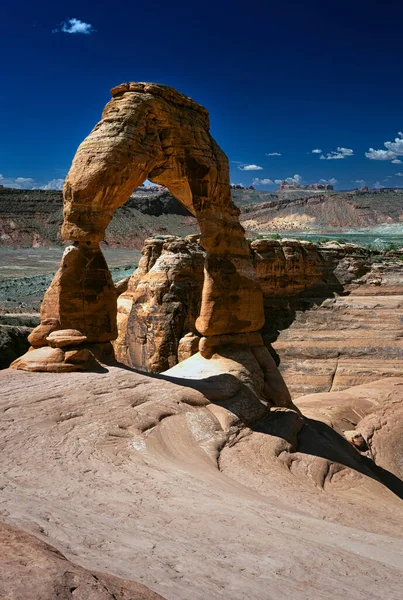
333, 313
31, 569
161, 305
349, 336
152, 131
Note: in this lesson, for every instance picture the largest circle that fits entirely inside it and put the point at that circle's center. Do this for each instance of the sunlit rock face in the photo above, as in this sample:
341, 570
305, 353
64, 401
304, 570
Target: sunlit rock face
333, 315
161, 305
149, 131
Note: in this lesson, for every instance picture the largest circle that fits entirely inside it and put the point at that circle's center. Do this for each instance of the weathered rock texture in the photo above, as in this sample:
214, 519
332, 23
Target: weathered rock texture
161, 305
157, 478
31, 569
333, 314
153, 131
348, 334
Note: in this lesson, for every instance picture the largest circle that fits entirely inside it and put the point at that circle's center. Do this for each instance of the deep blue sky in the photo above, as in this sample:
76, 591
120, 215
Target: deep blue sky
285, 77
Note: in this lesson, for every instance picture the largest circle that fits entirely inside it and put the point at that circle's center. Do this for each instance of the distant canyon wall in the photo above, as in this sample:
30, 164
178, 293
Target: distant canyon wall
33, 218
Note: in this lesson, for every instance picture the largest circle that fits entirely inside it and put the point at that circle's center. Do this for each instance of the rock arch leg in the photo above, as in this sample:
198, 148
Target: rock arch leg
149, 130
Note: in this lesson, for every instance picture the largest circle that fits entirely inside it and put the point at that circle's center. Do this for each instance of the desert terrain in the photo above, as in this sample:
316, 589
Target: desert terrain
219, 416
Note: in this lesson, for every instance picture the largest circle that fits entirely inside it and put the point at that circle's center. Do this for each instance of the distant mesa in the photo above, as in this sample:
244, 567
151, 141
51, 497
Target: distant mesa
290, 187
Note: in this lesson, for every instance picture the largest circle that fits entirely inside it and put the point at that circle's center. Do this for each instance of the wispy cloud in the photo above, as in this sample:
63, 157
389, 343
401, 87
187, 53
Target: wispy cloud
273, 154
338, 154
396, 161
258, 181
25, 180
316, 151
332, 181
399, 174
250, 168
362, 181
74, 26
378, 185
392, 152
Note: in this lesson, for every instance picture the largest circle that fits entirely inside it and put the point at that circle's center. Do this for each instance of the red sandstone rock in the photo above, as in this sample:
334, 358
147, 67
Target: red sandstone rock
65, 337
30, 569
149, 130
178, 152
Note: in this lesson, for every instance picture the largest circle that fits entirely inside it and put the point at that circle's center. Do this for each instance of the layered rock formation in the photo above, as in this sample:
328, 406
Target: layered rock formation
153, 131
349, 336
333, 313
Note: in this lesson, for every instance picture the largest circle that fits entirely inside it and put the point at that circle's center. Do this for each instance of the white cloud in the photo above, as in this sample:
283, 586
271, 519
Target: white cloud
359, 181
332, 181
393, 150
338, 154
54, 184
74, 26
378, 185
316, 151
250, 168
399, 174
258, 181
278, 181
20, 183
345, 151
396, 161
373, 154
273, 154
29, 183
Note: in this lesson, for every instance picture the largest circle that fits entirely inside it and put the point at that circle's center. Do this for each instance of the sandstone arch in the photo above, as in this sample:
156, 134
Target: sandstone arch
150, 131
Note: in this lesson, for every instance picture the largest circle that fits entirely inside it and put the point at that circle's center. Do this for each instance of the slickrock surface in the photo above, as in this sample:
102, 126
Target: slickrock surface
30, 569
370, 415
146, 478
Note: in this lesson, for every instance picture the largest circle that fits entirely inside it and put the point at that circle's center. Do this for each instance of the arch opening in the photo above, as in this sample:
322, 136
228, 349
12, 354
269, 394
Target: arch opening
150, 131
